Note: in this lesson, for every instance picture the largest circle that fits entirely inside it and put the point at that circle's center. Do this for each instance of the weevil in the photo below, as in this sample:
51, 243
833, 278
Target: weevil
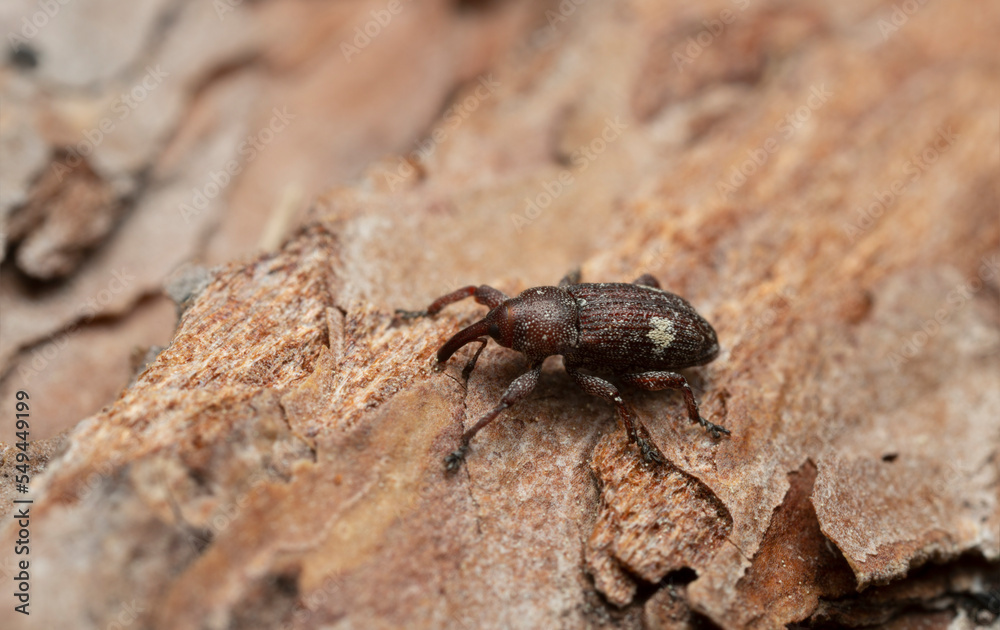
636, 332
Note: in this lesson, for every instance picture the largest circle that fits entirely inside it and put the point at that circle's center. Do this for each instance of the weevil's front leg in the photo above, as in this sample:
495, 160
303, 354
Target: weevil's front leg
467, 370
647, 280
636, 431
519, 388
484, 295
655, 381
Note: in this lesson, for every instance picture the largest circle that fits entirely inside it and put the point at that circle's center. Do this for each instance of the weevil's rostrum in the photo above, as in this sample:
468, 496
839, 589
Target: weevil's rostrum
636, 332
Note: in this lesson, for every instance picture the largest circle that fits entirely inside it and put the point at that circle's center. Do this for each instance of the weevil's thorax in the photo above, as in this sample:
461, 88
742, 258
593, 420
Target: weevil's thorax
541, 321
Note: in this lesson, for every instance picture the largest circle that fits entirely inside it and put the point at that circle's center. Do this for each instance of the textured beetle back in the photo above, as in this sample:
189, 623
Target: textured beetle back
625, 327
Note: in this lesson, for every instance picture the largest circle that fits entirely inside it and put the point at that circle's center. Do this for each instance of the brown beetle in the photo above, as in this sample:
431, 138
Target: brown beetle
637, 332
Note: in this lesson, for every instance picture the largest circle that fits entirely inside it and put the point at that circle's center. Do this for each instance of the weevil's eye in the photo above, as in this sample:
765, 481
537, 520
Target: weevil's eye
500, 326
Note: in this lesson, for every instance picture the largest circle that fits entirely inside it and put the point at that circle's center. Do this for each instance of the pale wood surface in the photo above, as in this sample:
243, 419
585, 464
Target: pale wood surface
280, 461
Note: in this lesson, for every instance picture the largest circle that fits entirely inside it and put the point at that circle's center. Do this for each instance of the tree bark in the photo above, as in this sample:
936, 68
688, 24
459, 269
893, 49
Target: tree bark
821, 186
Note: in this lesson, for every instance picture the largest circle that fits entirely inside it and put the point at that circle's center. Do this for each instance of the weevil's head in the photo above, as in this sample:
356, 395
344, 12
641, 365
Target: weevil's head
539, 322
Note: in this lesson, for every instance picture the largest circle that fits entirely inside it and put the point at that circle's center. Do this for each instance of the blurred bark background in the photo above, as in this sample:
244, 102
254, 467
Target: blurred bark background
211, 210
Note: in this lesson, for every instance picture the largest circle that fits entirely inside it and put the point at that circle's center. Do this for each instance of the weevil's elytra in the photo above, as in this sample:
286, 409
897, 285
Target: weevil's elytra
637, 332
661, 332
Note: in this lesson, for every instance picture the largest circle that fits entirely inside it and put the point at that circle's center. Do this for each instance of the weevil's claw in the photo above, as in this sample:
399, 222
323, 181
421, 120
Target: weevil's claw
403, 314
453, 461
650, 453
717, 430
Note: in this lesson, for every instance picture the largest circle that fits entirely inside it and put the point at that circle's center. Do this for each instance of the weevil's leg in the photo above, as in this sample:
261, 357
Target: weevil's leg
647, 280
467, 370
484, 295
572, 277
655, 381
439, 303
489, 296
519, 388
636, 431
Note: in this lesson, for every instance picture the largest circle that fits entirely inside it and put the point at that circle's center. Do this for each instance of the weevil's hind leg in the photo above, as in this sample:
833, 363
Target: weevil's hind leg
467, 370
647, 280
484, 295
518, 389
655, 381
572, 277
636, 431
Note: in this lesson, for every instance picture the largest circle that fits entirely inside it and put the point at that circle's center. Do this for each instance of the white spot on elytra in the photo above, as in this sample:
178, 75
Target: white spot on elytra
662, 332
